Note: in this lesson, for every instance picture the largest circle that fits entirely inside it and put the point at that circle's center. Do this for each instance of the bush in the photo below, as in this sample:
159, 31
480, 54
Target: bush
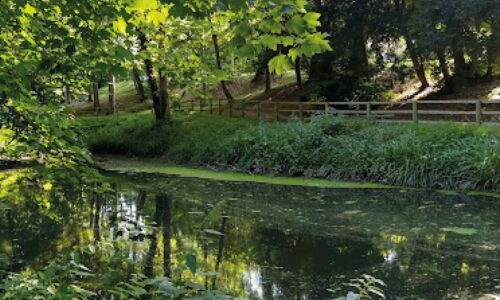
128, 134
448, 156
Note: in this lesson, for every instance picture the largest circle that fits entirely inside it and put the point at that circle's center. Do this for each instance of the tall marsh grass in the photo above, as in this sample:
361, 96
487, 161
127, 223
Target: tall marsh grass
444, 156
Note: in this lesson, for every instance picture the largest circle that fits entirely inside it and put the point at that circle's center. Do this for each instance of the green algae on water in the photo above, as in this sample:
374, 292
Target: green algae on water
164, 167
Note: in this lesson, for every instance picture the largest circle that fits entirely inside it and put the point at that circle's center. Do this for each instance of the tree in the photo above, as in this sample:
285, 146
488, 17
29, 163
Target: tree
112, 93
284, 27
39, 49
416, 57
138, 84
95, 89
45, 46
153, 84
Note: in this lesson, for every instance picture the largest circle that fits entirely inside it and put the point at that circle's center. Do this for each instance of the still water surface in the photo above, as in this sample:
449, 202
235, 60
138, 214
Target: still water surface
265, 241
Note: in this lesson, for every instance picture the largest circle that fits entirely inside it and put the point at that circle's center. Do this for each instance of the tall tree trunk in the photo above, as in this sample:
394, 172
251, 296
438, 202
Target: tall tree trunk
95, 87
444, 69
493, 52
359, 54
167, 233
163, 220
417, 63
14, 242
153, 84
204, 85
67, 95
97, 217
219, 66
138, 85
150, 255
259, 73
164, 103
298, 74
268, 80
220, 249
112, 93
262, 62
320, 66
460, 65
135, 86
90, 98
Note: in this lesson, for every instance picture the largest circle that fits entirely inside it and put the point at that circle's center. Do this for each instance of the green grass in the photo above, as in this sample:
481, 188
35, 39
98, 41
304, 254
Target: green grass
127, 100
444, 156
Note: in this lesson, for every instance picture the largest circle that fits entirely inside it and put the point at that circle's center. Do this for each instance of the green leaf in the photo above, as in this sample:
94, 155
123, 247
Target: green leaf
270, 41
312, 19
294, 54
287, 41
157, 17
245, 50
145, 4
271, 26
191, 263
296, 25
279, 64
243, 29
120, 26
29, 10
315, 43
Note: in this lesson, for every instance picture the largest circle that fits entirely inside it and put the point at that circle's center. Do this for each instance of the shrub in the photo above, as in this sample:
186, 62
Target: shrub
128, 134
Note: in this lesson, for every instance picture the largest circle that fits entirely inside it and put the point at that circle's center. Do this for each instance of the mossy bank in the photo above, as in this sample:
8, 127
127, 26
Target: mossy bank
437, 156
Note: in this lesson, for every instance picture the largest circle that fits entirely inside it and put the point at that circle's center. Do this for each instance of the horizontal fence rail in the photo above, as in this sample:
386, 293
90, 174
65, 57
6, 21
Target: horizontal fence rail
425, 111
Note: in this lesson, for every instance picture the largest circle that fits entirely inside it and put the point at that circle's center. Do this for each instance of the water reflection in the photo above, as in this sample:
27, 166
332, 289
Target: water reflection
262, 241
162, 223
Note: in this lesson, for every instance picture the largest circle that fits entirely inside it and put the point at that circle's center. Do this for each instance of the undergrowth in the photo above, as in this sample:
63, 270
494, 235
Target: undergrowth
443, 156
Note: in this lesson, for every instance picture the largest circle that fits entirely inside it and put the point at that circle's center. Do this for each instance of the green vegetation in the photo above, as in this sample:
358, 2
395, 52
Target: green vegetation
144, 57
73, 280
156, 165
444, 156
380, 44
53, 54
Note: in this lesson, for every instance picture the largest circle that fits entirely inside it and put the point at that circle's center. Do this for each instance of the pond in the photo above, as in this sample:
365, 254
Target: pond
261, 241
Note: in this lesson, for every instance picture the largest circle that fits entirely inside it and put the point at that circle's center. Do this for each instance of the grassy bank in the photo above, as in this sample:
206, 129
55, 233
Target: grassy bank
445, 156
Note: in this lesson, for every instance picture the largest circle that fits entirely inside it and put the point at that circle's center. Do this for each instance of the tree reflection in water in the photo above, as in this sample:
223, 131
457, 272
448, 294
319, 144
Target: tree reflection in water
279, 242
163, 224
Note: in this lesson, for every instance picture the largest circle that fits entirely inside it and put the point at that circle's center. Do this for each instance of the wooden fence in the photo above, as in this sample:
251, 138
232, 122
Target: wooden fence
477, 111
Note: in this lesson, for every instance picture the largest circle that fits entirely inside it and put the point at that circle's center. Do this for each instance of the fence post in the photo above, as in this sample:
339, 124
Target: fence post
219, 106
326, 108
230, 103
192, 105
478, 111
276, 112
414, 111
369, 110
301, 111
201, 106
211, 107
